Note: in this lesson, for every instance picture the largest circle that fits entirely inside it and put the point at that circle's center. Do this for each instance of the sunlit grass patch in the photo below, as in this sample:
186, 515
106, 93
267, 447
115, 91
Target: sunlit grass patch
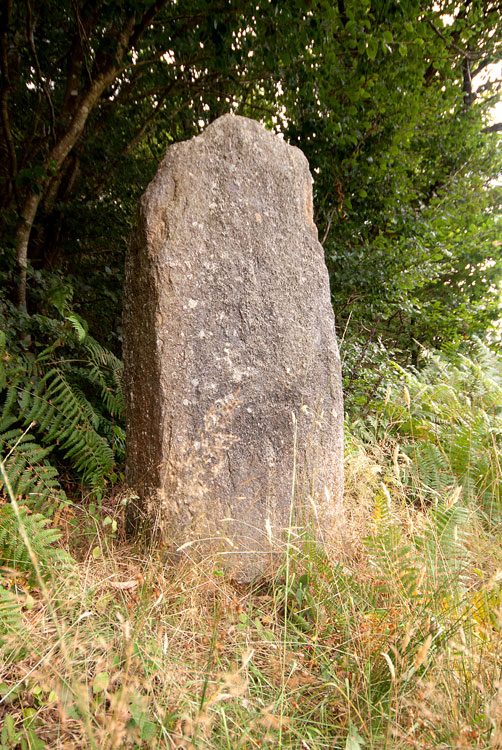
339, 655
394, 642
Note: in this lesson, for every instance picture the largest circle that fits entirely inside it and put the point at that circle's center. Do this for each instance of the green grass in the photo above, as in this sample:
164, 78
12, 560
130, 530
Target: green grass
392, 641
337, 654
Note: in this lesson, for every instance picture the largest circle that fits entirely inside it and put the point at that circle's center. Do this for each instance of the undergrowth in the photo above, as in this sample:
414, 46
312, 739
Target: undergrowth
395, 643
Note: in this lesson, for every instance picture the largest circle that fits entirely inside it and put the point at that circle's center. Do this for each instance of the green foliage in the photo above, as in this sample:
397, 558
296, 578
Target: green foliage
30, 472
61, 405
406, 190
42, 537
445, 422
457, 406
389, 554
381, 96
443, 543
74, 407
64, 417
10, 613
9, 737
25, 462
437, 551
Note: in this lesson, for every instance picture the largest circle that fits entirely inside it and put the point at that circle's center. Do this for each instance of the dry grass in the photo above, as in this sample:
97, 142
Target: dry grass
123, 652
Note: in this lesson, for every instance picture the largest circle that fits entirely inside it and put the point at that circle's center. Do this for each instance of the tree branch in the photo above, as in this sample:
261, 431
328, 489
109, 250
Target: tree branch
129, 34
31, 40
143, 129
56, 158
466, 54
489, 85
145, 22
483, 64
4, 100
495, 128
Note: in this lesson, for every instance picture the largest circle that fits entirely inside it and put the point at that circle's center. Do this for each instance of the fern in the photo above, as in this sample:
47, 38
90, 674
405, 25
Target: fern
442, 544
388, 551
71, 412
27, 465
52, 412
431, 473
30, 473
11, 623
348, 588
451, 429
13, 551
65, 418
105, 371
437, 554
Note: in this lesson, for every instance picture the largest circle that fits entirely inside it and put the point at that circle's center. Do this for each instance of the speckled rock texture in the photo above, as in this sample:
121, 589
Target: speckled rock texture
232, 371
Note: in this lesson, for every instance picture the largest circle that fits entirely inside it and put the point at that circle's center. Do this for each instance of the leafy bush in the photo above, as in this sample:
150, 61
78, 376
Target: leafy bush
61, 409
444, 424
64, 405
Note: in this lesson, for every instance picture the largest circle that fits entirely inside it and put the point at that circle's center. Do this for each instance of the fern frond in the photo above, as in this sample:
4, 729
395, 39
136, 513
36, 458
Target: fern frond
442, 545
105, 372
29, 472
430, 467
79, 326
388, 551
64, 417
452, 431
11, 623
393, 560
13, 552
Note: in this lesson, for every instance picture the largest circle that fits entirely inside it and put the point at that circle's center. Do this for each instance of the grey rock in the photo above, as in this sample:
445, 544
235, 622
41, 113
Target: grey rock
232, 371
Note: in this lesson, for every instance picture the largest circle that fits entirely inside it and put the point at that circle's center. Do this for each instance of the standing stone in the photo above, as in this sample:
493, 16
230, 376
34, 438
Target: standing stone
232, 371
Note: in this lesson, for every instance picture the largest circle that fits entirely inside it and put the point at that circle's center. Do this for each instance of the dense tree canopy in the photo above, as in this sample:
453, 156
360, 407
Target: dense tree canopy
405, 176
380, 94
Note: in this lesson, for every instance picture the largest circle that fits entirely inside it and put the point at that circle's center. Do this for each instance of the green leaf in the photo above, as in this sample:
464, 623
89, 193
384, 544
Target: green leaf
9, 731
371, 48
100, 682
59, 297
148, 731
34, 742
354, 740
78, 324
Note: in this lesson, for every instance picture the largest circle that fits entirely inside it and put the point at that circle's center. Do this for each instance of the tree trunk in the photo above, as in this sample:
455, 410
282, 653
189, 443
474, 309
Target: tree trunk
22, 239
57, 156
